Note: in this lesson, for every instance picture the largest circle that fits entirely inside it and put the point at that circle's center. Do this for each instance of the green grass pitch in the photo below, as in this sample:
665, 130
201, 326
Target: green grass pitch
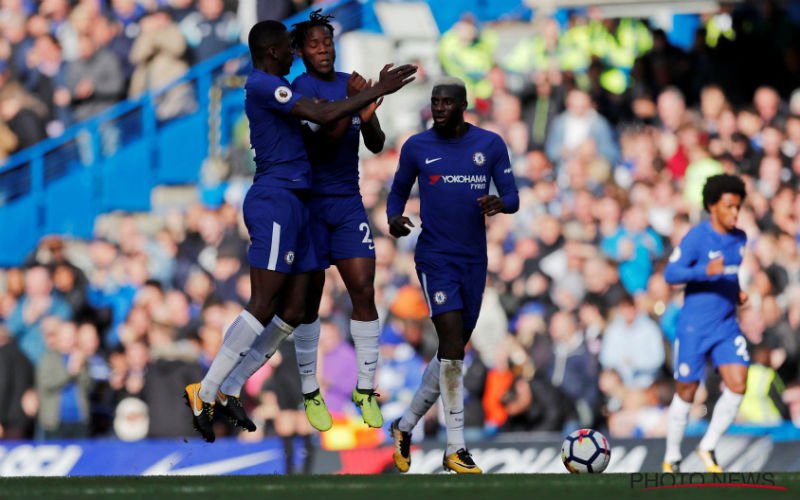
377, 487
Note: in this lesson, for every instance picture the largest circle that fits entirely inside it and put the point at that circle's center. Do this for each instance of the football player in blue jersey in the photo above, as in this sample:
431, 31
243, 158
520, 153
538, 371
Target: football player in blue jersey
453, 162
340, 228
707, 261
276, 214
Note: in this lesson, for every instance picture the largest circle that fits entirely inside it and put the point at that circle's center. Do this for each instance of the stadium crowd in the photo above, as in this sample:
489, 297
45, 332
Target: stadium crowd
62, 61
612, 132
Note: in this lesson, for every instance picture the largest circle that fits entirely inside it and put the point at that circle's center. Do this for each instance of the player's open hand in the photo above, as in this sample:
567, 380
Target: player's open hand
400, 226
490, 204
715, 267
393, 79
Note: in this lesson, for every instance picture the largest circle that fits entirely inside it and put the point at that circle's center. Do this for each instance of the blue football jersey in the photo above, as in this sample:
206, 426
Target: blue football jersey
275, 135
452, 175
708, 299
334, 170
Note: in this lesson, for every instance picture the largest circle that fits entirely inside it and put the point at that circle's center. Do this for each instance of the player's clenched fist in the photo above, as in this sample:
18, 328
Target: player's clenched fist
490, 204
400, 226
715, 267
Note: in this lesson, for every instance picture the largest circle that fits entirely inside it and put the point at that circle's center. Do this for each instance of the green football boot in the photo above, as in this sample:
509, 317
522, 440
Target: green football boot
318, 415
367, 402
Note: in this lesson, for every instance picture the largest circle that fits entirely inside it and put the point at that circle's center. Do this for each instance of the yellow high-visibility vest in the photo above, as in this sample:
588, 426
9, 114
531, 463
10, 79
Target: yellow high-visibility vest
757, 406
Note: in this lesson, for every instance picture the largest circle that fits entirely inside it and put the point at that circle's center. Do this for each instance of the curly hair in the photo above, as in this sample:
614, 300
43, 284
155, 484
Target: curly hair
315, 19
717, 185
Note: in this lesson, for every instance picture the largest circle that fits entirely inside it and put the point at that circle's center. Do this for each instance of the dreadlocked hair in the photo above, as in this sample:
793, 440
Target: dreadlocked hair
315, 19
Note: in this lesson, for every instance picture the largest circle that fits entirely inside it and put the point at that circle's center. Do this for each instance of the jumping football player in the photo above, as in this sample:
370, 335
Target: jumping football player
340, 227
453, 163
707, 261
276, 215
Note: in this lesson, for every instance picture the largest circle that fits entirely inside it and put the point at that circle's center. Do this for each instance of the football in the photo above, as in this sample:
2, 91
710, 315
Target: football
585, 451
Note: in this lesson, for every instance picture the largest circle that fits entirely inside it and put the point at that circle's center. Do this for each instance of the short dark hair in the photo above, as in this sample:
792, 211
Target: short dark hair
301, 29
717, 185
264, 35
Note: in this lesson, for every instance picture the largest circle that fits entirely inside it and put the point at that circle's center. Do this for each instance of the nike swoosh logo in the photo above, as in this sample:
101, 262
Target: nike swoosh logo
428, 161
305, 364
372, 247
713, 255
456, 412
242, 354
372, 363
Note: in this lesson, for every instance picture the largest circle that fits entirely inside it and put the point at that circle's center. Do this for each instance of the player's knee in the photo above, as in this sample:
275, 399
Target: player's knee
294, 314
363, 299
363, 294
261, 310
737, 386
452, 348
686, 391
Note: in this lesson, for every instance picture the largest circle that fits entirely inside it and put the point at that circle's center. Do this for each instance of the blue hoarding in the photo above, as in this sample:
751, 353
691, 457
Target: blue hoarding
143, 458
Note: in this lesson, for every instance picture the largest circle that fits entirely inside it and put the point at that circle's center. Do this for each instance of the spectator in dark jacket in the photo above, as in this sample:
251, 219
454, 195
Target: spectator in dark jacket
95, 79
573, 369
210, 30
16, 377
47, 80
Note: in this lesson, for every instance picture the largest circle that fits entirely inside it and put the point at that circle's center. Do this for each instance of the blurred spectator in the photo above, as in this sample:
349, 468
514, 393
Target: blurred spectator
210, 30
16, 377
107, 32
579, 123
24, 114
173, 365
38, 302
632, 346
466, 51
282, 403
573, 369
63, 384
47, 80
634, 246
763, 401
530, 402
158, 58
95, 80
337, 372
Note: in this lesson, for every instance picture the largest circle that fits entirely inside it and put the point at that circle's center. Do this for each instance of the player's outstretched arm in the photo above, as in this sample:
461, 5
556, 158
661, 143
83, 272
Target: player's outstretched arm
391, 80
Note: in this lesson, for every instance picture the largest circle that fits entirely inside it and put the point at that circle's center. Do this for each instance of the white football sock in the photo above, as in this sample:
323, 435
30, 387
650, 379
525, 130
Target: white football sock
262, 349
306, 340
677, 418
236, 344
451, 386
424, 398
365, 337
724, 413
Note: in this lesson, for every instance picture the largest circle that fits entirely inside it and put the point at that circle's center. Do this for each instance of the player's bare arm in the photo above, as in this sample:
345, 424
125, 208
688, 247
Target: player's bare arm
371, 131
391, 80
